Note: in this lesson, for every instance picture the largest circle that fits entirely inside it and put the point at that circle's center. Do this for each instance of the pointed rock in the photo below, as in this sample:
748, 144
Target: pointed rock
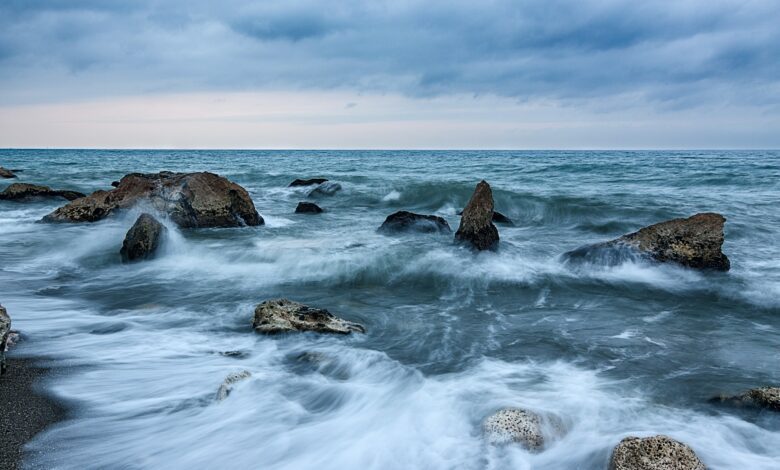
21, 191
404, 221
654, 453
476, 226
308, 208
283, 316
143, 239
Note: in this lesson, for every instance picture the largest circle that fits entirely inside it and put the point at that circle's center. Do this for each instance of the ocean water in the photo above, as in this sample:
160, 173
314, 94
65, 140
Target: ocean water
452, 336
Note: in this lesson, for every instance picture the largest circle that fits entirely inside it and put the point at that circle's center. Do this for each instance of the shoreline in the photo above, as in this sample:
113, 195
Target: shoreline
25, 410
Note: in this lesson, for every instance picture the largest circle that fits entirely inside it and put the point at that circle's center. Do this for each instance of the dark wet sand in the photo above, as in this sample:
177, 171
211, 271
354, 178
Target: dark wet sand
24, 410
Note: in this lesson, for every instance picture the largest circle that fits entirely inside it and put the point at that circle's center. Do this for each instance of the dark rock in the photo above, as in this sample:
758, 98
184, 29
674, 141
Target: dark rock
476, 226
762, 397
404, 221
190, 199
308, 208
309, 182
22, 191
4, 173
230, 381
282, 316
5, 331
499, 218
115, 184
143, 239
328, 188
654, 453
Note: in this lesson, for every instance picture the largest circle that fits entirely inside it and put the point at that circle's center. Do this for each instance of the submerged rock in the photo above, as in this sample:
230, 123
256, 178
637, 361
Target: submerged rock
229, 382
5, 331
309, 182
476, 226
404, 221
308, 208
143, 239
514, 425
762, 397
190, 199
5, 173
282, 316
21, 191
654, 453
328, 188
498, 218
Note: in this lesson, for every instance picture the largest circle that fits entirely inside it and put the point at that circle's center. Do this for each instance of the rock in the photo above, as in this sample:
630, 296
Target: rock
309, 182
498, 218
21, 191
404, 221
143, 239
115, 184
190, 199
282, 316
229, 382
654, 453
514, 425
327, 188
308, 208
4, 173
476, 226
5, 331
762, 397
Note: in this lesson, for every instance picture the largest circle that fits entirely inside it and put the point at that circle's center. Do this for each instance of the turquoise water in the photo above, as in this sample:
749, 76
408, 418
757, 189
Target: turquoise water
632, 349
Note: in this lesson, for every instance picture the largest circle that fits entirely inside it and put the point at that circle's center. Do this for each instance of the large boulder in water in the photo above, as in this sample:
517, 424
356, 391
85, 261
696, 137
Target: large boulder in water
404, 221
22, 191
308, 208
5, 331
654, 453
283, 316
476, 226
143, 239
762, 397
190, 199
5, 173
309, 182
514, 425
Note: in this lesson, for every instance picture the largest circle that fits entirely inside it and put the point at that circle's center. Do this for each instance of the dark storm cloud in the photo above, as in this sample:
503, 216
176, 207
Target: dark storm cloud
676, 54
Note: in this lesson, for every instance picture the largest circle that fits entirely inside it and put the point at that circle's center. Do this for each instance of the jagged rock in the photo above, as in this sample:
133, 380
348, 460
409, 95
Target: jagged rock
309, 182
498, 218
4, 173
328, 188
5, 331
21, 191
282, 316
762, 397
190, 199
476, 226
654, 453
404, 221
143, 239
308, 208
514, 425
230, 381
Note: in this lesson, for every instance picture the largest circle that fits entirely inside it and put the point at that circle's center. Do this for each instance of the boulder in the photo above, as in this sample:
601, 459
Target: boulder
191, 200
5, 331
282, 316
476, 226
21, 191
308, 208
404, 221
514, 425
4, 173
309, 182
229, 382
498, 218
762, 397
654, 453
328, 188
143, 239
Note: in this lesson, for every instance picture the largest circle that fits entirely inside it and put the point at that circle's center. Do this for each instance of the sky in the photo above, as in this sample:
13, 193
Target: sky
519, 74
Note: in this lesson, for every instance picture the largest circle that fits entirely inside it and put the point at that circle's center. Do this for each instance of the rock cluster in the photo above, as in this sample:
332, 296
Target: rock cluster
283, 316
308, 208
762, 397
5, 331
21, 191
654, 453
309, 182
227, 385
143, 239
476, 226
191, 200
404, 221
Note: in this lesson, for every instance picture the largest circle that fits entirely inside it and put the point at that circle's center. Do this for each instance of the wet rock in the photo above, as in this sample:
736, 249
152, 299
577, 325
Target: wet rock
115, 184
5, 331
308, 208
229, 382
143, 239
476, 226
762, 397
4, 173
309, 182
328, 188
654, 453
404, 221
22, 191
190, 199
514, 425
282, 316
498, 218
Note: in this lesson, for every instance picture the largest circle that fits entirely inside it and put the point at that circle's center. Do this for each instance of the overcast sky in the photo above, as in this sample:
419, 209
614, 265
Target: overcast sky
390, 74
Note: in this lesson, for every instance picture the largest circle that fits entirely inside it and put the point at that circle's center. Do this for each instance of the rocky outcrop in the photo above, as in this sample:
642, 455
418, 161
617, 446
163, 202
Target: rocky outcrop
143, 239
4, 173
514, 425
190, 199
5, 331
22, 191
763, 397
230, 381
499, 218
476, 226
308, 208
654, 453
283, 316
404, 221
328, 188
309, 182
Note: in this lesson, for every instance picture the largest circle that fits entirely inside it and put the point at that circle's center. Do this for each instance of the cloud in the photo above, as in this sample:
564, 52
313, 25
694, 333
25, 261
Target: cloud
662, 54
